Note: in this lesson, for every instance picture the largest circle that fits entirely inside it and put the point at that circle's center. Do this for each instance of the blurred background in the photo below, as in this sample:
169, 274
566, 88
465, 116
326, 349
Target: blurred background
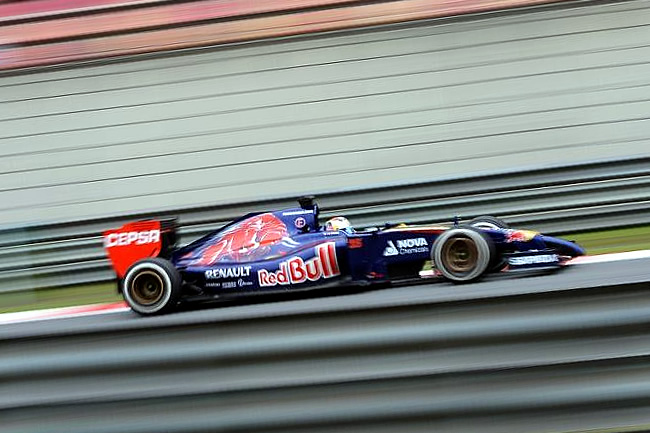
535, 111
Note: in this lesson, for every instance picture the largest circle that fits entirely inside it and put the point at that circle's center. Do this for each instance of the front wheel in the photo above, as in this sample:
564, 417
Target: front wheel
462, 254
488, 222
152, 286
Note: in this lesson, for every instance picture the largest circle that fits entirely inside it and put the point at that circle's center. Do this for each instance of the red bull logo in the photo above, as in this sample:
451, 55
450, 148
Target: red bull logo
520, 235
296, 271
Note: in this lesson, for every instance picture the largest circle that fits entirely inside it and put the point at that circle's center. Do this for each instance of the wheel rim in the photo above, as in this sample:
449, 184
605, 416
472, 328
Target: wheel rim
147, 288
460, 255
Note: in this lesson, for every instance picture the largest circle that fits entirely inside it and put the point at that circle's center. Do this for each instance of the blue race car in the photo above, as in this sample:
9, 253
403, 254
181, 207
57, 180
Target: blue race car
287, 250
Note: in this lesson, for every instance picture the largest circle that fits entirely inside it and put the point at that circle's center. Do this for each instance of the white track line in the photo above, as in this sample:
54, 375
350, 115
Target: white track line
616, 257
96, 309
587, 260
62, 313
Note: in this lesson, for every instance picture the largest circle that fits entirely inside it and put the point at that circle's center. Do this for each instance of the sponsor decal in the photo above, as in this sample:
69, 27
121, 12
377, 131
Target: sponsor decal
406, 246
390, 250
296, 271
355, 243
239, 271
130, 238
297, 212
520, 235
132, 242
533, 260
300, 222
229, 284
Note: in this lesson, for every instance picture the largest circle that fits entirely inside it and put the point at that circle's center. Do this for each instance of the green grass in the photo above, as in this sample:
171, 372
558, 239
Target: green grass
602, 242
626, 429
59, 297
613, 241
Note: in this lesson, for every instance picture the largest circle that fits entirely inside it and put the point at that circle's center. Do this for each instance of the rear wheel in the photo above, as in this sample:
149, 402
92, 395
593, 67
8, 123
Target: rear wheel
462, 254
152, 286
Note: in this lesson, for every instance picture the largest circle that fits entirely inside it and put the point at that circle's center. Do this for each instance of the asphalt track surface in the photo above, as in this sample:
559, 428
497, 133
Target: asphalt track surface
588, 276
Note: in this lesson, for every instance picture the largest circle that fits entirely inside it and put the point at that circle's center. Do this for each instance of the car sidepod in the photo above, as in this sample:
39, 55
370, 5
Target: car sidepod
306, 268
318, 261
392, 254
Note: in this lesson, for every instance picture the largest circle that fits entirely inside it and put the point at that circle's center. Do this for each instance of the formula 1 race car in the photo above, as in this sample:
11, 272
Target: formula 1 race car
287, 250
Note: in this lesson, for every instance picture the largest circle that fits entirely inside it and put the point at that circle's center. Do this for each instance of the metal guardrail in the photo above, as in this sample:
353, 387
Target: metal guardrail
557, 199
554, 361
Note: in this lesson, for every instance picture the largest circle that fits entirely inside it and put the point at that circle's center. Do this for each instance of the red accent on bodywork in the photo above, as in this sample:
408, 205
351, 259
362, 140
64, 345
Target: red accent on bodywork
247, 240
520, 235
333, 264
132, 242
355, 243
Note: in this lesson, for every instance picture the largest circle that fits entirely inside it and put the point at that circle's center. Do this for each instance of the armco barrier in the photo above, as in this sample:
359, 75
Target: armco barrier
558, 199
558, 361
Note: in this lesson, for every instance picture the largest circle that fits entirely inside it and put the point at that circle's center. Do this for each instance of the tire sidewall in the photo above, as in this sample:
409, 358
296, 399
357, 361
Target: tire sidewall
484, 254
168, 297
488, 222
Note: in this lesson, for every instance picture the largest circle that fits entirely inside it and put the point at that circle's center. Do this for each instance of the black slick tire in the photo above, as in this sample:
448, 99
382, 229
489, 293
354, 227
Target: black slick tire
152, 286
462, 254
488, 222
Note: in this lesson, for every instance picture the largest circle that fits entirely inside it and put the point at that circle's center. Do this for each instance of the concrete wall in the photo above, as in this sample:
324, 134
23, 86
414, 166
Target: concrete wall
52, 32
398, 104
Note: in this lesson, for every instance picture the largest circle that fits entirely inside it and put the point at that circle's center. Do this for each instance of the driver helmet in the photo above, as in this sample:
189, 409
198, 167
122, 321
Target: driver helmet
337, 223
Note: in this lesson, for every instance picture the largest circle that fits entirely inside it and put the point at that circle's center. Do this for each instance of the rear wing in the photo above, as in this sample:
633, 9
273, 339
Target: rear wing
138, 240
